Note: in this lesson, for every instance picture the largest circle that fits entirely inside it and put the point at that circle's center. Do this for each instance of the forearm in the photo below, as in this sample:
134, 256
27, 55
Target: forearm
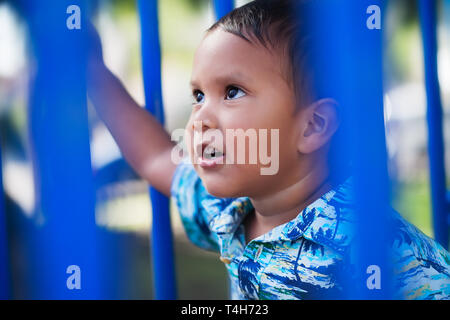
141, 138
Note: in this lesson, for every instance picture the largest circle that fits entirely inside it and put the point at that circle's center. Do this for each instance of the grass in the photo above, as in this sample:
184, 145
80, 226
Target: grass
412, 201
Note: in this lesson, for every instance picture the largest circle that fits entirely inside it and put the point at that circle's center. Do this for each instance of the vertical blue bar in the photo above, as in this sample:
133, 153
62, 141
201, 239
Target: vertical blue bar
161, 239
222, 7
347, 64
4, 260
64, 228
428, 18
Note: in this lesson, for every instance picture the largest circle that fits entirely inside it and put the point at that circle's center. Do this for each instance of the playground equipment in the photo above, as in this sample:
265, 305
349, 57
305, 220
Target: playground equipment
65, 233
357, 58
65, 203
161, 236
161, 239
439, 200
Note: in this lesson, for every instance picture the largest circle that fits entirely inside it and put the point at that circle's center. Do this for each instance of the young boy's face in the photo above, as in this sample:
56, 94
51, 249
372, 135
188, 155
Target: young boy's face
240, 85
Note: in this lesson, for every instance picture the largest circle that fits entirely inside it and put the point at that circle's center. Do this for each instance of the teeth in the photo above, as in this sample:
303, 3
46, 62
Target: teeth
211, 152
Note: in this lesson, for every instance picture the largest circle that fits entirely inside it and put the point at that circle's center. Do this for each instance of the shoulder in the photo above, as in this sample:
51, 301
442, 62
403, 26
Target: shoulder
203, 215
189, 193
421, 265
184, 177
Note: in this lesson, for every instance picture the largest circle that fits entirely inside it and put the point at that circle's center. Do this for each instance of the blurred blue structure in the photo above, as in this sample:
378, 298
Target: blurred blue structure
353, 75
222, 7
4, 259
440, 204
64, 231
161, 236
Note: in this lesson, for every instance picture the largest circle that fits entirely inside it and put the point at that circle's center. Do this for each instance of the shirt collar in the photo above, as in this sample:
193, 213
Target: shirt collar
227, 213
327, 221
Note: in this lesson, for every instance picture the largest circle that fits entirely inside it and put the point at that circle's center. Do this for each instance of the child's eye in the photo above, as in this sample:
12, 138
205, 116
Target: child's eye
234, 92
198, 96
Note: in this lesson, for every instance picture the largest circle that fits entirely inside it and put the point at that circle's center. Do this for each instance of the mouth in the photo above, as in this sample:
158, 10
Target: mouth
210, 156
210, 152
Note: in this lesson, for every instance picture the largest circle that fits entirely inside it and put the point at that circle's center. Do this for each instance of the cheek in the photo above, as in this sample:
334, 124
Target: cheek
280, 138
281, 134
189, 139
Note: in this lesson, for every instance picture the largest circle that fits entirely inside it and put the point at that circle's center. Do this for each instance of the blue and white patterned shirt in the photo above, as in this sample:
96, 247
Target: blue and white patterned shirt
301, 259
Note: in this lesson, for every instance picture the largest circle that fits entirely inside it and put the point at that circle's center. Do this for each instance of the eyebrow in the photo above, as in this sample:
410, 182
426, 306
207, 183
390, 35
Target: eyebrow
231, 77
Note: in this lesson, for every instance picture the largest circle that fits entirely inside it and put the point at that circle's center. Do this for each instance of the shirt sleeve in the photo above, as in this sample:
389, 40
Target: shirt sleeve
422, 266
423, 279
188, 191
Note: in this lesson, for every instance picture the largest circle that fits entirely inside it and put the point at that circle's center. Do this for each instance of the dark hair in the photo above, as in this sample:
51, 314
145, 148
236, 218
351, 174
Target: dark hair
281, 25
275, 25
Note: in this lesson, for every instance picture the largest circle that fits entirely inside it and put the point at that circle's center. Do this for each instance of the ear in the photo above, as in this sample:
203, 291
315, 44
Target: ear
319, 122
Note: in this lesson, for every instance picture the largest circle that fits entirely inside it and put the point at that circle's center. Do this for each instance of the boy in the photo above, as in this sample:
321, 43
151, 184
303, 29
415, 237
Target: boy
278, 234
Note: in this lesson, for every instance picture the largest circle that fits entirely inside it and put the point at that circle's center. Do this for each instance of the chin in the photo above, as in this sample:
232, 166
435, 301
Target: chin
220, 188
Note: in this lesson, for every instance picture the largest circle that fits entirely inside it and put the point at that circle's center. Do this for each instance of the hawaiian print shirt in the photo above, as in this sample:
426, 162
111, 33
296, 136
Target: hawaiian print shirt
302, 258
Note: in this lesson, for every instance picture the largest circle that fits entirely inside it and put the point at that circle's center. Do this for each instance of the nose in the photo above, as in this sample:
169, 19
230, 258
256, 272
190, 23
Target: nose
202, 125
205, 118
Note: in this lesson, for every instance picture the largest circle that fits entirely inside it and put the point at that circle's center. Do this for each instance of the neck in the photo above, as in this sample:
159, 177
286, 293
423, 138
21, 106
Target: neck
284, 205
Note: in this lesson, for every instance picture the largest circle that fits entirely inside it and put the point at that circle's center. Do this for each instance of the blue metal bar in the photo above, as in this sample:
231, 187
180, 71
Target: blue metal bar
347, 64
161, 240
222, 7
64, 228
428, 18
4, 261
